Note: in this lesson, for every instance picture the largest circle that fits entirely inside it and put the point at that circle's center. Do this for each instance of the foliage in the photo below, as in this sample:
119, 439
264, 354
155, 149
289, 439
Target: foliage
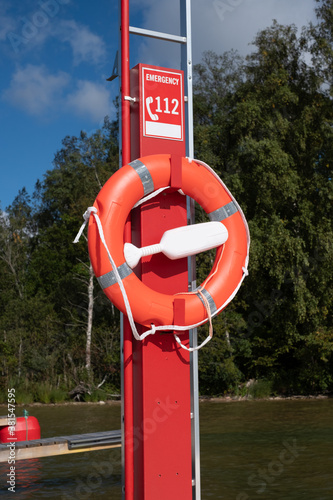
260, 389
44, 300
265, 124
273, 144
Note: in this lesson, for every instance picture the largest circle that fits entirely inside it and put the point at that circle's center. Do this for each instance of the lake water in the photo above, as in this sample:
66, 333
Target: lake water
250, 450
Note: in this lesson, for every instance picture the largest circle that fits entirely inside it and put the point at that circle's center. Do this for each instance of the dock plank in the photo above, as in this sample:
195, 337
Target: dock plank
4, 420
62, 445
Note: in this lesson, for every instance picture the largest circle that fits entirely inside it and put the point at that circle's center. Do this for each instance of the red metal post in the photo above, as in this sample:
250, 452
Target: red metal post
161, 369
127, 333
156, 372
125, 84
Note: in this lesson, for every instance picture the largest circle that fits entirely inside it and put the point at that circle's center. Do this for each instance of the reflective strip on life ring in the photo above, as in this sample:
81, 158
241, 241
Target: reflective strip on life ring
115, 201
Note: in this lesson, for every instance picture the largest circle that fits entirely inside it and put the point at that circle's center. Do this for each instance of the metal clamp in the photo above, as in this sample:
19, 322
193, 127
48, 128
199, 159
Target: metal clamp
129, 98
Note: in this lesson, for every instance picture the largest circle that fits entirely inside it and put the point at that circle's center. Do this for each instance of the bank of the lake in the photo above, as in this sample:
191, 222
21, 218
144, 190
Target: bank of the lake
202, 399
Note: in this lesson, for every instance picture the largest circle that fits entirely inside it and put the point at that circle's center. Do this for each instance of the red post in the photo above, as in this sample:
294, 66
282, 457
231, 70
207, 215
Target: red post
156, 372
161, 369
125, 84
127, 333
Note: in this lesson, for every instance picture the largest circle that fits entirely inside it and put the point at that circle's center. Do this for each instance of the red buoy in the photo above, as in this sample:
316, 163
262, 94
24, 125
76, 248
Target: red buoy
26, 429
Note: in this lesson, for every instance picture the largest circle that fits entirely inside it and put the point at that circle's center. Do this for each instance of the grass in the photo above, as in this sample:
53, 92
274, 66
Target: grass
260, 389
23, 397
46, 393
95, 396
42, 392
58, 395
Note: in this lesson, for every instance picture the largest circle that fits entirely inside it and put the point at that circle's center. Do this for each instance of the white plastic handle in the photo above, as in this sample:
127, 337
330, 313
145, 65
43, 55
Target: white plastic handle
181, 242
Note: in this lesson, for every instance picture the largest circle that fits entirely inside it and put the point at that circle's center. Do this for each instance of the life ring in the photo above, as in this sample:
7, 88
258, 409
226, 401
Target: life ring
113, 204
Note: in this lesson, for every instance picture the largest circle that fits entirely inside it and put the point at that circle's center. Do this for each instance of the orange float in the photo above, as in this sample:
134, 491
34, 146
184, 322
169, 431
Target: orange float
113, 204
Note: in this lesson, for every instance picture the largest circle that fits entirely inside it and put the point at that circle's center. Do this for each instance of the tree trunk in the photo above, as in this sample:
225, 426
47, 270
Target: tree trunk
90, 316
227, 336
20, 358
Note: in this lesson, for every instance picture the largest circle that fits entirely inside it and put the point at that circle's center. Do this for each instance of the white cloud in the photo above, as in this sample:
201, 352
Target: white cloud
86, 46
35, 90
219, 28
36, 27
160, 16
7, 22
218, 25
90, 99
27, 25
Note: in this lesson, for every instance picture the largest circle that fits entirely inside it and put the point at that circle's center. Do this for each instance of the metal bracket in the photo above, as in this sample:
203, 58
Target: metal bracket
129, 98
157, 34
115, 71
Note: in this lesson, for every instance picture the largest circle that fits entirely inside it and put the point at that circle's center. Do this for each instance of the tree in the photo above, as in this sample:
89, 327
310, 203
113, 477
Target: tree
320, 43
14, 240
24, 318
56, 324
60, 268
271, 140
265, 124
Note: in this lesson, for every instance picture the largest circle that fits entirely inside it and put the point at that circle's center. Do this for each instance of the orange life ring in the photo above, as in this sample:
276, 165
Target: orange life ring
115, 201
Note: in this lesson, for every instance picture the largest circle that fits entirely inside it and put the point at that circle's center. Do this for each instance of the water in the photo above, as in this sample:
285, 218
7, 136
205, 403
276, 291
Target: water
267, 450
261, 450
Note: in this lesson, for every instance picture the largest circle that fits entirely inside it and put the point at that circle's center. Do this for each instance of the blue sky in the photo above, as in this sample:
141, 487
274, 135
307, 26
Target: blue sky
57, 54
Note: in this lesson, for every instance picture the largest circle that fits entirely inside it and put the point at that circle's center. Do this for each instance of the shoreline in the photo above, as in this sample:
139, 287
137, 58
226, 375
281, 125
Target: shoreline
202, 399
231, 399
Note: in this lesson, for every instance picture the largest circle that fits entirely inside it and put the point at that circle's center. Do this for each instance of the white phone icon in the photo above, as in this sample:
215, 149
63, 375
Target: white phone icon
149, 101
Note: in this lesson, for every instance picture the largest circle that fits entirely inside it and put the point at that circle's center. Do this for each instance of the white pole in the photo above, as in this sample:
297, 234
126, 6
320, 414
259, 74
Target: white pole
187, 64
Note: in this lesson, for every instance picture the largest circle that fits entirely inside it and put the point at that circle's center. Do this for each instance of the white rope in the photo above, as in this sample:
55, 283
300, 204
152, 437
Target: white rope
180, 328
93, 211
210, 336
192, 349
245, 270
86, 216
155, 193
152, 331
150, 196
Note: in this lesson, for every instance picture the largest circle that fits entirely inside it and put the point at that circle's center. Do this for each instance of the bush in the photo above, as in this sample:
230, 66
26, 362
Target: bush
95, 396
3, 397
42, 393
23, 396
260, 389
58, 395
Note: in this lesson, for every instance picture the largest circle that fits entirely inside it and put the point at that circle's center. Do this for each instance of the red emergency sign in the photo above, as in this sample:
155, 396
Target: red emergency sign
163, 103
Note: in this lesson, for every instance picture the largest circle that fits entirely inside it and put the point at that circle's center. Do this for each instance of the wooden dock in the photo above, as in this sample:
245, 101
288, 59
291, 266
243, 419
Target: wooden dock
62, 445
4, 421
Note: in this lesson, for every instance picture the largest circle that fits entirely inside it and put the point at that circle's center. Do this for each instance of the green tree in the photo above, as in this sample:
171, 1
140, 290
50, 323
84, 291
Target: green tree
320, 43
25, 320
265, 124
62, 270
271, 142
